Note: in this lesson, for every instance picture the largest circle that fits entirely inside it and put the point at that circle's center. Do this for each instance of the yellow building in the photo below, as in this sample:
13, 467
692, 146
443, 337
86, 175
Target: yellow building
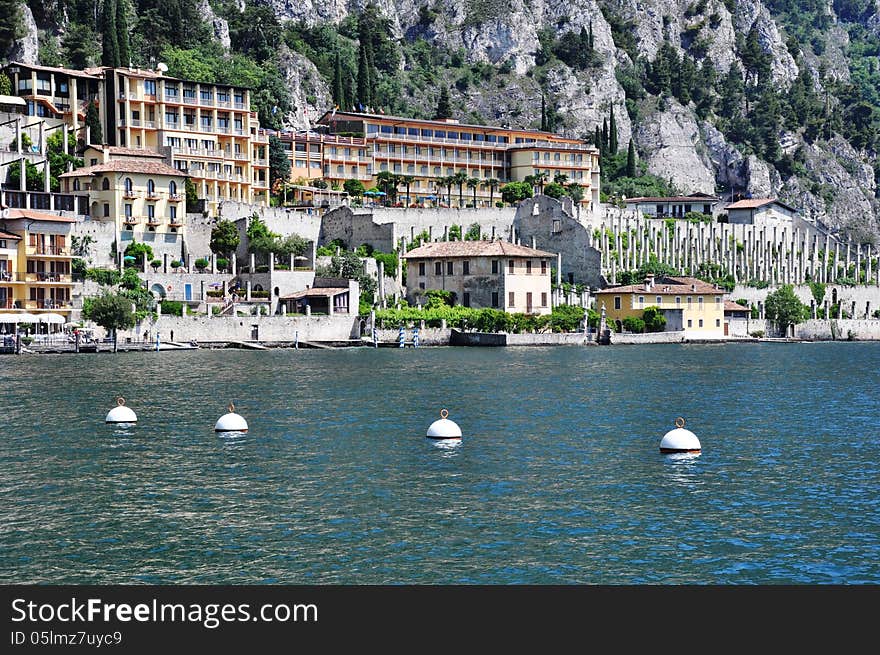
134, 188
493, 274
360, 146
688, 304
35, 261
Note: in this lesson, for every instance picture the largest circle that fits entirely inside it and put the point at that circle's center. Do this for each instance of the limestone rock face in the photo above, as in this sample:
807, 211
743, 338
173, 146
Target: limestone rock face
26, 49
309, 95
674, 149
220, 26
751, 13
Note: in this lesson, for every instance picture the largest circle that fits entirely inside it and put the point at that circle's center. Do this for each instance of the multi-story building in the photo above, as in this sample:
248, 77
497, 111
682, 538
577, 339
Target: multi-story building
35, 261
134, 188
481, 274
673, 206
688, 304
207, 131
760, 211
360, 146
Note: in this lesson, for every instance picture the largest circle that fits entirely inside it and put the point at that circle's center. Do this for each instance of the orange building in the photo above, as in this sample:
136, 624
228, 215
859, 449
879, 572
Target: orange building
360, 146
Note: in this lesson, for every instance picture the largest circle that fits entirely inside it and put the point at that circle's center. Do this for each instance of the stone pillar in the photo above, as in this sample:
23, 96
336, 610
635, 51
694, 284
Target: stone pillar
202, 295
381, 285
292, 263
827, 310
248, 290
18, 135
445, 232
233, 264
213, 263
308, 309
252, 263
189, 262
558, 277
813, 309
271, 262
330, 306
165, 262
858, 275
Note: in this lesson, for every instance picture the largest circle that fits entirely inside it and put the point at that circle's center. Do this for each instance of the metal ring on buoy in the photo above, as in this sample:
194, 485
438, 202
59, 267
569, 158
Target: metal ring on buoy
168, 288
231, 408
679, 422
120, 401
443, 413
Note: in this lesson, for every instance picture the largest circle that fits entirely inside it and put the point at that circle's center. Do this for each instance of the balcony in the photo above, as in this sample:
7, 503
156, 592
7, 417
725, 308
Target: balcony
153, 195
45, 276
190, 100
153, 221
174, 197
130, 195
47, 250
239, 105
171, 97
47, 303
131, 220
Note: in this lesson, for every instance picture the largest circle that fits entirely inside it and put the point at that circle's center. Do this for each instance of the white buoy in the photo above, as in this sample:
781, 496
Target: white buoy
231, 422
121, 413
444, 428
680, 440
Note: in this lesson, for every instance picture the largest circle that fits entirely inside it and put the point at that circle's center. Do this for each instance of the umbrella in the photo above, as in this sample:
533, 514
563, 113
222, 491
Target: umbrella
374, 193
128, 258
56, 319
27, 318
215, 285
9, 318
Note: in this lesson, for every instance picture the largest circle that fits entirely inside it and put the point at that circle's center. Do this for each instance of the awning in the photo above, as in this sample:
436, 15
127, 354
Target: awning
12, 100
9, 318
56, 319
27, 318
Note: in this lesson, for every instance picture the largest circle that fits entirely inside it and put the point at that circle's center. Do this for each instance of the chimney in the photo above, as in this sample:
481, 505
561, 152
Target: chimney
693, 287
649, 281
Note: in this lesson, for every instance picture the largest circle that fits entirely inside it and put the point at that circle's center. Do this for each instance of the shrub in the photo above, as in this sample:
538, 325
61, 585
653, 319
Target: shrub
654, 319
499, 204
155, 264
566, 318
107, 277
222, 264
757, 334
260, 294
176, 264
201, 264
172, 307
634, 324
214, 293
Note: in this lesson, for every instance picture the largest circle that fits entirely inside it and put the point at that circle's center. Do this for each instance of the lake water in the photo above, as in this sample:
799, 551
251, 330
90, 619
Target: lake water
558, 478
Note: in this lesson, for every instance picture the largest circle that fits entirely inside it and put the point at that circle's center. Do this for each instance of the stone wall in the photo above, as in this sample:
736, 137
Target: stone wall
241, 328
865, 297
839, 330
427, 336
543, 221
648, 337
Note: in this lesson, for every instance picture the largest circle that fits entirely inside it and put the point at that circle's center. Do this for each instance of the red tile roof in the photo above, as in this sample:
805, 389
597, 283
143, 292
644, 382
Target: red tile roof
730, 306
14, 214
127, 166
315, 292
690, 199
750, 203
129, 152
474, 249
668, 286
9, 235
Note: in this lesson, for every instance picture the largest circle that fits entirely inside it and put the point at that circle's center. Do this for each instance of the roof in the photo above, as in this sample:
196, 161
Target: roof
697, 197
127, 166
730, 306
474, 249
12, 100
754, 203
122, 151
15, 214
318, 292
668, 286
57, 69
440, 123
9, 235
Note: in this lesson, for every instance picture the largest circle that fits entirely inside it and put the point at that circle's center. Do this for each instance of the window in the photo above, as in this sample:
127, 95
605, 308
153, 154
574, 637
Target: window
128, 185
700, 324
422, 269
106, 209
510, 266
494, 299
700, 302
449, 268
689, 302
465, 268
421, 285
717, 322
172, 188
151, 212
678, 300
511, 298
616, 302
717, 300
172, 214
495, 266
528, 267
659, 300
127, 210
466, 299
438, 268
150, 87
528, 301
543, 299
641, 300
543, 267
690, 323
151, 188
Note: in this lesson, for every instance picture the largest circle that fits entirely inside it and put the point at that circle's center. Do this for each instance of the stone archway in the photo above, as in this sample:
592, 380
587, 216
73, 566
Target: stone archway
158, 290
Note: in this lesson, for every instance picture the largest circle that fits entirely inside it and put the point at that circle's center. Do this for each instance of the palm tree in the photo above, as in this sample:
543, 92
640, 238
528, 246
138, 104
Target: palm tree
460, 178
492, 183
407, 180
538, 180
560, 178
387, 181
473, 183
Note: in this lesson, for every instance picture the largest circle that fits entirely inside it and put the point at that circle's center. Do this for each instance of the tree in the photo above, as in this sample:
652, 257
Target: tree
554, 190
654, 319
192, 195
93, 121
612, 133
444, 110
784, 307
543, 114
5, 82
261, 240
460, 178
454, 233
473, 183
138, 251
109, 43
631, 160
122, 33
224, 238
80, 46
514, 192
364, 83
338, 86
388, 181
354, 188
407, 181
112, 312
11, 27
474, 232
279, 164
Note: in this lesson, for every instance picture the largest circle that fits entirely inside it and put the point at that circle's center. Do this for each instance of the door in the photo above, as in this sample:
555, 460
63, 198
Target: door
726, 328
255, 333
529, 302
187, 291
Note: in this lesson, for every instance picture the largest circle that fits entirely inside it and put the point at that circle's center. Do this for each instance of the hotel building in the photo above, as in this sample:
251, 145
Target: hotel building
206, 131
360, 146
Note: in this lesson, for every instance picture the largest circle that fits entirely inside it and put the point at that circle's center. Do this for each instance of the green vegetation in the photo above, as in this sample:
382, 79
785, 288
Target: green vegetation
563, 319
514, 192
112, 311
784, 307
225, 238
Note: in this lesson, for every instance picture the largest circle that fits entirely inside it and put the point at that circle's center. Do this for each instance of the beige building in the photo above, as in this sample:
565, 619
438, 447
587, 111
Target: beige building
134, 188
493, 274
760, 211
688, 304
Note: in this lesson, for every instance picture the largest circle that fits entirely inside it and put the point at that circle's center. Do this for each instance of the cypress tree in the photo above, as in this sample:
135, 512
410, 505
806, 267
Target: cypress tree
590, 38
109, 44
543, 114
631, 160
338, 90
443, 108
612, 134
604, 146
93, 120
363, 78
597, 138
122, 35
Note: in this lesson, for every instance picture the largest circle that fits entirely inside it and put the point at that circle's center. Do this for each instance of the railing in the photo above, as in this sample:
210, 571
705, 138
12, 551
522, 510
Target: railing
172, 97
46, 250
131, 220
46, 276
175, 197
152, 195
130, 195
239, 105
47, 303
190, 100
6, 303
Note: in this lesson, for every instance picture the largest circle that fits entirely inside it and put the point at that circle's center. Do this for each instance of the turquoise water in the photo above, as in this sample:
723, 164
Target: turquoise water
558, 479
